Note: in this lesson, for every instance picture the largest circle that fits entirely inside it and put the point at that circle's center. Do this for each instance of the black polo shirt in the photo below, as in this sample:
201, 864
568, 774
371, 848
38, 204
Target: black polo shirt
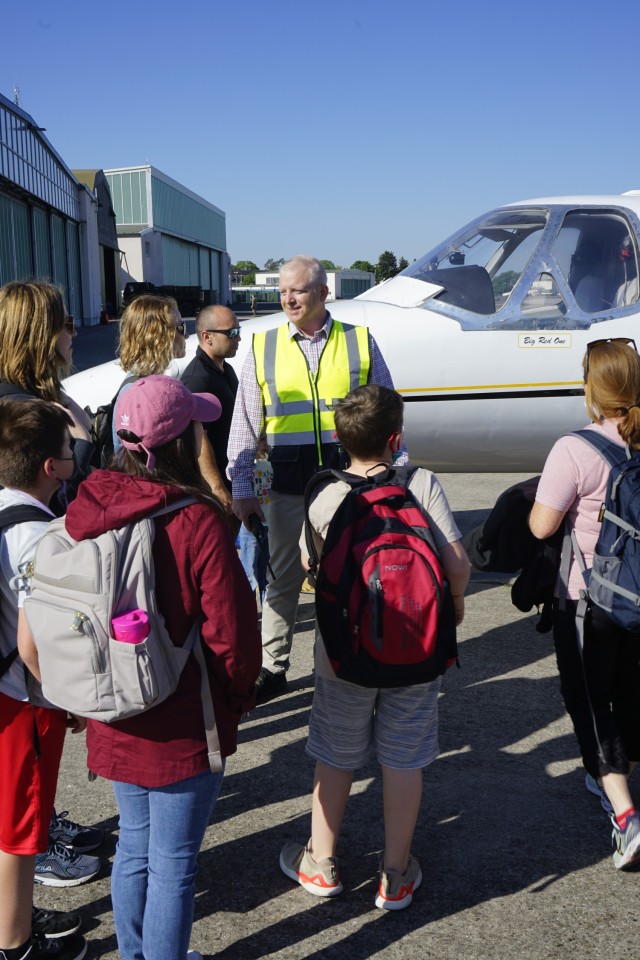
203, 376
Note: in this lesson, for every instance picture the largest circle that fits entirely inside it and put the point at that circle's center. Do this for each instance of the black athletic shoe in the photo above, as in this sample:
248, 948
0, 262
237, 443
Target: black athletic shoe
270, 685
53, 923
73, 947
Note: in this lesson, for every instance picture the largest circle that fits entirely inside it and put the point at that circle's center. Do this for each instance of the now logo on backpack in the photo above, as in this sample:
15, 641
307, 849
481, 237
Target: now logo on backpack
383, 606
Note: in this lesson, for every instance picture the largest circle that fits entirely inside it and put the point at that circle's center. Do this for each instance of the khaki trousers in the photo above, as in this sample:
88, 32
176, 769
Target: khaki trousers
286, 519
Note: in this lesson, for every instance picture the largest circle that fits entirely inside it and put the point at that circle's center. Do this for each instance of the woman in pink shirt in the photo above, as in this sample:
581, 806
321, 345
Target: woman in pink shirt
601, 687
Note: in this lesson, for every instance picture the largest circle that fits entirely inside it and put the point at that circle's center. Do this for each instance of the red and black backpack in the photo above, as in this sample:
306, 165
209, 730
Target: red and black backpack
383, 606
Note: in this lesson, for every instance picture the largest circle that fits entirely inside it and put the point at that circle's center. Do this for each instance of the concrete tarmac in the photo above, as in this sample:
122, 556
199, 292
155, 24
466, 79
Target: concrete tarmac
515, 853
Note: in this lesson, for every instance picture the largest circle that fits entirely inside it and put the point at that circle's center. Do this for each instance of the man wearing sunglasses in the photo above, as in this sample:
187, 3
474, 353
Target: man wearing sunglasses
288, 385
218, 333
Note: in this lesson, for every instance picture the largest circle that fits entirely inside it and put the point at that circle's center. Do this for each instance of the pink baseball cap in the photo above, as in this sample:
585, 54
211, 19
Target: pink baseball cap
158, 409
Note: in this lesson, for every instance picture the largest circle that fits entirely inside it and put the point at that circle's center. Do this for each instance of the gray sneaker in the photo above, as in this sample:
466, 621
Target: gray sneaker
396, 890
61, 867
627, 844
322, 879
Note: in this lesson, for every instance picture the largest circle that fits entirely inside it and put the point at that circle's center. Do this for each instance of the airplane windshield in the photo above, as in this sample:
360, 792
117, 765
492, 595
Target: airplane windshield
480, 267
525, 269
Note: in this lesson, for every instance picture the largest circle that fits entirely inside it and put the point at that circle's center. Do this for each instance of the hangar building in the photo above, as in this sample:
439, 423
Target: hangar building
167, 234
60, 225
41, 208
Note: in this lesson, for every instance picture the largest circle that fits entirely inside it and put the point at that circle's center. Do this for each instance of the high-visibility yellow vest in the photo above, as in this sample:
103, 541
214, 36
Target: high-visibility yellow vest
298, 404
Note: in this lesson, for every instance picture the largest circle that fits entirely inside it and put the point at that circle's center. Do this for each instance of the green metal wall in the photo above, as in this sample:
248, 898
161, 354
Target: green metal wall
177, 213
75, 292
179, 262
41, 243
16, 260
129, 196
205, 272
59, 251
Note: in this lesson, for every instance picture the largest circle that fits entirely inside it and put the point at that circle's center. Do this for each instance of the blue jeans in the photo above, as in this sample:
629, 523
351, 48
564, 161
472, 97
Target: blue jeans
153, 879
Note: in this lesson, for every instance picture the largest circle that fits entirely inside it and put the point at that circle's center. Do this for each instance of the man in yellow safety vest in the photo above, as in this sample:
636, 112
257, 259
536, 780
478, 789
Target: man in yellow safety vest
290, 380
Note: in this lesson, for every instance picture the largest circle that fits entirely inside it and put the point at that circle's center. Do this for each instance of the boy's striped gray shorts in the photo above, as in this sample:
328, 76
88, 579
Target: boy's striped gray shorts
348, 720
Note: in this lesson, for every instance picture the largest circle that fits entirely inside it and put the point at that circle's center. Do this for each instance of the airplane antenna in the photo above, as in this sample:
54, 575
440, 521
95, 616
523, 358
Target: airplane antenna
16, 94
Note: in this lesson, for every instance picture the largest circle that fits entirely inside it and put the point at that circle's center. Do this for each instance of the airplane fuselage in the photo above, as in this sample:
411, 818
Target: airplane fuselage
485, 335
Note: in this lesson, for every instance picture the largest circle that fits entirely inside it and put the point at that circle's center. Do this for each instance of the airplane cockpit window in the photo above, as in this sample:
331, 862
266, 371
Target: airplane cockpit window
596, 254
544, 301
479, 268
529, 268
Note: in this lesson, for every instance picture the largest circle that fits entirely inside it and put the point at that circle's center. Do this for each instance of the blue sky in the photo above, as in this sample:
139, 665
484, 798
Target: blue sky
338, 129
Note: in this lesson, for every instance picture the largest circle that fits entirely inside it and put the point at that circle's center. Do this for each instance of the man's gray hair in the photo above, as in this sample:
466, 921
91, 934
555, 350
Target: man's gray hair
315, 271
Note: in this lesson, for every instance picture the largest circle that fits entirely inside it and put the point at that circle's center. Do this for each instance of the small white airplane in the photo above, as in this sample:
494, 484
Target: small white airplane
485, 335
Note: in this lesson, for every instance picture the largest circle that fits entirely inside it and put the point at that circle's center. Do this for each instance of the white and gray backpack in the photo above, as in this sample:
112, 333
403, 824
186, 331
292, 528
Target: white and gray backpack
77, 588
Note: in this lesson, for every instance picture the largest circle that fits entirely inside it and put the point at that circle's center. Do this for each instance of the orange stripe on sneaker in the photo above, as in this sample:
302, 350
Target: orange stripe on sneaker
402, 893
317, 880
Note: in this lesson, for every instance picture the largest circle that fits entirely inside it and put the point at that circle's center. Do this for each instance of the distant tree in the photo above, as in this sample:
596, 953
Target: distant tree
273, 264
249, 280
241, 271
403, 263
363, 265
505, 282
329, 265
387, 266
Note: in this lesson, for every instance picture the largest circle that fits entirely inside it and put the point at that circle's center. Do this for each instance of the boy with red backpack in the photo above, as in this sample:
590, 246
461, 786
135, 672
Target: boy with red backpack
392, 635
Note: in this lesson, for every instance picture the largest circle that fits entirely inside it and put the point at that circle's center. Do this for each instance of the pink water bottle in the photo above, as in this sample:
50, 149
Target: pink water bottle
131, 627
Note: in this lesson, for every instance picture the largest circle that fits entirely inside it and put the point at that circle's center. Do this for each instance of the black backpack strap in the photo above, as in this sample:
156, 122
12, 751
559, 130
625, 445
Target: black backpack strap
22, 513
317, 480
130, 378
355, 482
11, 391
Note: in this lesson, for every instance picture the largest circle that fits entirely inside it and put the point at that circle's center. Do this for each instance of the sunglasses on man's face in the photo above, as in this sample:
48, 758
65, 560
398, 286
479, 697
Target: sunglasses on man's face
594, 344
233, 333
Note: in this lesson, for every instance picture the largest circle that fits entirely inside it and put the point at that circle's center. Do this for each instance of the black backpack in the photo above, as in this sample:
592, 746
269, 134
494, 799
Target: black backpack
102, 427
18, 513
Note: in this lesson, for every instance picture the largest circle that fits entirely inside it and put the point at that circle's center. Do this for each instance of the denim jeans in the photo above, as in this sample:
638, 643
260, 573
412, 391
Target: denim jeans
153, 879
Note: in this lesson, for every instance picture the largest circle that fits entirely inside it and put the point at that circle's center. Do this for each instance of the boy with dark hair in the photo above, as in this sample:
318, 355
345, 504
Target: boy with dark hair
36, 457
348, 719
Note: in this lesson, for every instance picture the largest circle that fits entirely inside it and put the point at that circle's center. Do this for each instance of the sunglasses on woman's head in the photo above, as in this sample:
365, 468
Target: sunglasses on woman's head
594, 344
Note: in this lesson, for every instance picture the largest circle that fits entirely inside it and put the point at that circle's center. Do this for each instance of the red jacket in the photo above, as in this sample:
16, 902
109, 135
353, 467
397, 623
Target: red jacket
198, 576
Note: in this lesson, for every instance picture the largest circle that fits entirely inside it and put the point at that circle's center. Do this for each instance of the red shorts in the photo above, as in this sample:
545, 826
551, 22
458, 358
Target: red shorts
28, 782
